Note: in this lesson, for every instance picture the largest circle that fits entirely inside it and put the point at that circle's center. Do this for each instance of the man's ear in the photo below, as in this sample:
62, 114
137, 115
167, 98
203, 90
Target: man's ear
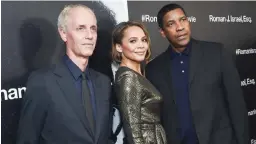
63, 34
162, 32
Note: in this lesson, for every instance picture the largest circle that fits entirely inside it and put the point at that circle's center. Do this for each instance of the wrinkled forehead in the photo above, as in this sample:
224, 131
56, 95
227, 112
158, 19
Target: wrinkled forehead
175, 14
81, 16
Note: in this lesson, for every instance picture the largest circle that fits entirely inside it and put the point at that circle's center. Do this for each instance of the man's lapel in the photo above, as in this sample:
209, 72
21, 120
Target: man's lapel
101, 101
195, 60
67, 85
167, 69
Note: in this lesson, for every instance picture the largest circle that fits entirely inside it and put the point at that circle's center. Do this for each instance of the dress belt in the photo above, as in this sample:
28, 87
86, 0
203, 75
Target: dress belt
149, 125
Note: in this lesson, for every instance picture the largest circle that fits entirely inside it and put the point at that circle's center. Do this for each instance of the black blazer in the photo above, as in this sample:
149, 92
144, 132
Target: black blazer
53, 114
216, 99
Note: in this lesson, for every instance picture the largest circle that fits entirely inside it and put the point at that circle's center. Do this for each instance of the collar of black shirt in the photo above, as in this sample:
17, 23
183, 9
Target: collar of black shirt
186, 52
74, 69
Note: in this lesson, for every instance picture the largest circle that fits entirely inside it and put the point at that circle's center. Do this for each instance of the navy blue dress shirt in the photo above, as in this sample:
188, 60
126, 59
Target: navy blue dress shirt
180, 80
77, 75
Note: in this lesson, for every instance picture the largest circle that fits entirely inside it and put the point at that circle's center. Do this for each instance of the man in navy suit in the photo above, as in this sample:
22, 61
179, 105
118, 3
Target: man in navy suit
68, 102
202, 98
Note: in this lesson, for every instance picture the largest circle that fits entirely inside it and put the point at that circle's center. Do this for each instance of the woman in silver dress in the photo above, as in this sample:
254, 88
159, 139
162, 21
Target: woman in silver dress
139, 100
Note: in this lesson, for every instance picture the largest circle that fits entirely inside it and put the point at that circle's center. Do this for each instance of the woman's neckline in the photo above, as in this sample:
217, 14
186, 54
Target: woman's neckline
131, 70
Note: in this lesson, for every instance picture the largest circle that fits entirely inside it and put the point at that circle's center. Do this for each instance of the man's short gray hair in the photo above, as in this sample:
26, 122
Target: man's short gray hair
63, 16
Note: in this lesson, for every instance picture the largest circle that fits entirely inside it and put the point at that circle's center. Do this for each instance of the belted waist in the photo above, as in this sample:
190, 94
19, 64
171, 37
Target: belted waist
149, 125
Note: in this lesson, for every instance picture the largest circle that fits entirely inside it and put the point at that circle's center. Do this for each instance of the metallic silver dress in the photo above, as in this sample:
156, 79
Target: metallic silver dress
139, 104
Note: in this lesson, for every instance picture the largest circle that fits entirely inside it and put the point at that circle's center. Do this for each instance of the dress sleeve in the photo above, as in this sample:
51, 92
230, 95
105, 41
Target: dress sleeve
128, 91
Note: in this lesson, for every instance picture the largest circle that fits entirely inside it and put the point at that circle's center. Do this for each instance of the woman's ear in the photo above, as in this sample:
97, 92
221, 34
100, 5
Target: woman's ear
119, 48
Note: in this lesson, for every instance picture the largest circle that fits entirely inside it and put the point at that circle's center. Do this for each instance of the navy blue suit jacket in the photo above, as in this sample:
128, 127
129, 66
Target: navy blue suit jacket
52, 112
217, 105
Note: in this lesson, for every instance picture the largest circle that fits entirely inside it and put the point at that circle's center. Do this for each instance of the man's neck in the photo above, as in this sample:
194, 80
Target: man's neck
81, 62
179, 50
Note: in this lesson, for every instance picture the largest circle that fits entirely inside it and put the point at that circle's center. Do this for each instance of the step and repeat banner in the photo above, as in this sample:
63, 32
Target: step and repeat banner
30, 41
231, 23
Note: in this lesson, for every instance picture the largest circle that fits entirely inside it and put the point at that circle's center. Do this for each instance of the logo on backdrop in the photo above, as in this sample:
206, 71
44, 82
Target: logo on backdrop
246, 51
251, 113
253, 141
148, 18
230, 19
12, 93
247, 82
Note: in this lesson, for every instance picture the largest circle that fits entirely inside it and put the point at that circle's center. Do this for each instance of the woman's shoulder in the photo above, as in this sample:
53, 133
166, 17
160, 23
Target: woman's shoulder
122, 70
125, 72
